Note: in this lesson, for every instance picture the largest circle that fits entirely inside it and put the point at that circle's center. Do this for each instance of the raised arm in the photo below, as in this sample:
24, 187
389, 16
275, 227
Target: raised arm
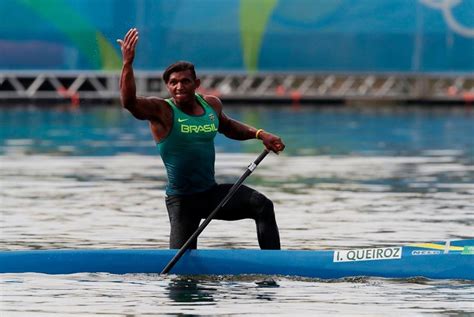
141, 108
240, 131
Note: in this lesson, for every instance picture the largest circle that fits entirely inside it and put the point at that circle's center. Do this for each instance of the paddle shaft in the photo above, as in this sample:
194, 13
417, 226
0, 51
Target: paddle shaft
224, 201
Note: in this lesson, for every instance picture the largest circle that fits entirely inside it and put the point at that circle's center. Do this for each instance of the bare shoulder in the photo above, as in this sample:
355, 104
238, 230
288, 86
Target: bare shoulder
156, 103
151, 108
214, 102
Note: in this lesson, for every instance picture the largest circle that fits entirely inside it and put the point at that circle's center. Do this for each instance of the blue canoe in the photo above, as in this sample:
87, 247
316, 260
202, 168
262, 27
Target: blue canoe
438, 260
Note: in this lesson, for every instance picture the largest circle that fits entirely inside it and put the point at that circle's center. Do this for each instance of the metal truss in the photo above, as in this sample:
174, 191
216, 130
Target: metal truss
293, 87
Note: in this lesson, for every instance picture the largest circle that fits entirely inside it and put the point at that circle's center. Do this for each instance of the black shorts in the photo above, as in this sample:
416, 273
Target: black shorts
186, 212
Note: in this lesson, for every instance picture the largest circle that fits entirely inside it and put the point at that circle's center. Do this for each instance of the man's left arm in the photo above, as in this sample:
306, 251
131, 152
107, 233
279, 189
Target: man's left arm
237, 130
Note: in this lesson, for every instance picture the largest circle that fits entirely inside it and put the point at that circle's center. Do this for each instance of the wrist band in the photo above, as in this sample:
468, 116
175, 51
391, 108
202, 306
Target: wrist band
258, 132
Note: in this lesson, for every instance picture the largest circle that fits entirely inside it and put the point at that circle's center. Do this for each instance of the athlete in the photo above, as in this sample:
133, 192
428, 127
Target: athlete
184, 127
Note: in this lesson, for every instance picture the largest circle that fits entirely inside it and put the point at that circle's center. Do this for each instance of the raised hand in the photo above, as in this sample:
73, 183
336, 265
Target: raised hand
128, 45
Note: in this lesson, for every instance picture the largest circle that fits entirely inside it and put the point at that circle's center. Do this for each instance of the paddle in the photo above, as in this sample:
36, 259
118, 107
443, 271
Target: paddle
229, 195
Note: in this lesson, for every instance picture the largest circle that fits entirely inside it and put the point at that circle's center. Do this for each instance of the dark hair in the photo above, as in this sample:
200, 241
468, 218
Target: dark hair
178, 67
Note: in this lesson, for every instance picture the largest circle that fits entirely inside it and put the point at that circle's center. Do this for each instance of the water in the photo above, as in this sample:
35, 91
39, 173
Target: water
351, 177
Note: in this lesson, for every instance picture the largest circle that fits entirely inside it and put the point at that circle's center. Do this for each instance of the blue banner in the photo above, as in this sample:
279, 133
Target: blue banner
241, 35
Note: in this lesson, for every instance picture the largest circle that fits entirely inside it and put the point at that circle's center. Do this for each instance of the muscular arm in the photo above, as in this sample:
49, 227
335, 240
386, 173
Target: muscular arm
140, 107
236, 130
128, 90
151, 109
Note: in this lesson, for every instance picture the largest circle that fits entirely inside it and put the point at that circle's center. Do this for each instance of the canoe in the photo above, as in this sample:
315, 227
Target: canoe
438, 260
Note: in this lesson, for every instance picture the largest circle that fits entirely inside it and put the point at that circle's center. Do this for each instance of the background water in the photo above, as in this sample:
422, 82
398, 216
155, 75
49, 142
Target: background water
351, 177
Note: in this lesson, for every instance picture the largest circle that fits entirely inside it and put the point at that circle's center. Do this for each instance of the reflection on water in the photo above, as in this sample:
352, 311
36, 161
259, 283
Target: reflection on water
139, 294
350, 178
189, 289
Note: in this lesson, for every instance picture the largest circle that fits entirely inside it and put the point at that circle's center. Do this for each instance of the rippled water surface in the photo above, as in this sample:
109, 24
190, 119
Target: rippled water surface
92, 178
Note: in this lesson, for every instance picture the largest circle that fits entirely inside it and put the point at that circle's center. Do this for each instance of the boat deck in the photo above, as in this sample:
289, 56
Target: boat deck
451, 260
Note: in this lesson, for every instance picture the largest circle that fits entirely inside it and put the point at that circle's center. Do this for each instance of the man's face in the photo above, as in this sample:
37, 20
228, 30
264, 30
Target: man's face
182, 86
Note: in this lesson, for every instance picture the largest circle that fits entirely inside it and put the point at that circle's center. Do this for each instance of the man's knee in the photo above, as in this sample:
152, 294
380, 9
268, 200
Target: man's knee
262, 205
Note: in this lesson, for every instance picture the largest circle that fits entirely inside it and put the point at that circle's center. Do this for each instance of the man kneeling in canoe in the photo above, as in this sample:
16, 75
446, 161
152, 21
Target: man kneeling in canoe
184, 127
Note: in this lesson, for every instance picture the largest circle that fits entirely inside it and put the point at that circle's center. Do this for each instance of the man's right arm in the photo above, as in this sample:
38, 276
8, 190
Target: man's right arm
142, 108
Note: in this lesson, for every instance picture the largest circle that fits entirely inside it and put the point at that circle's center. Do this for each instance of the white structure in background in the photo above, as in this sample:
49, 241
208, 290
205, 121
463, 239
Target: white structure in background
342, 87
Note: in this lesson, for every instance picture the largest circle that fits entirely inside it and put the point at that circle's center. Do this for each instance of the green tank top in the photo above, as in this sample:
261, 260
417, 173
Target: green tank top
188, 150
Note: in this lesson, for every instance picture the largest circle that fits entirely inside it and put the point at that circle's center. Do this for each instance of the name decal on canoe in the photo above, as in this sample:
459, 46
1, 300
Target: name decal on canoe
368, 254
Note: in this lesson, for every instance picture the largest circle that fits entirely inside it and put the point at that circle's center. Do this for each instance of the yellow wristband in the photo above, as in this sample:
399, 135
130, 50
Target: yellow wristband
258, 132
